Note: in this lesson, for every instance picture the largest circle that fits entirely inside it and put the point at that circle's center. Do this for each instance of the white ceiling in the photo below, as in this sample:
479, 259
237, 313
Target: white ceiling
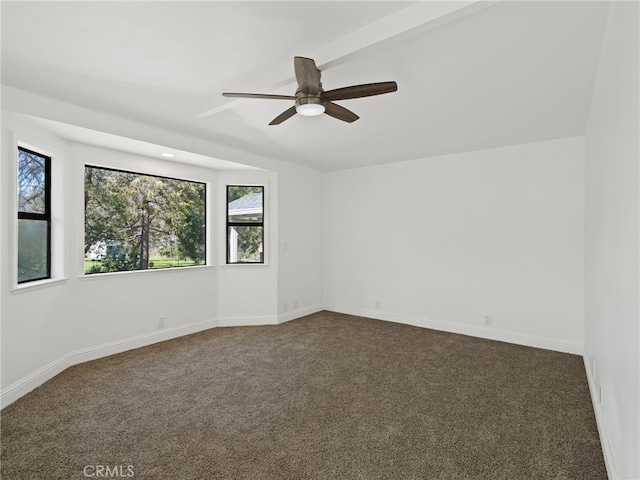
471, 75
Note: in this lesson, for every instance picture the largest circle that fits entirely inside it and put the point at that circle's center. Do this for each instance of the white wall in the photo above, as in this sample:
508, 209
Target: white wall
46, 330
290, 284
613, 244
440, 242
247, 294
300, 251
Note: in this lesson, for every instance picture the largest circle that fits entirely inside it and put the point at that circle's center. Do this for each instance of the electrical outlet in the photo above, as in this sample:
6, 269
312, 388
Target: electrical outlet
600, 394
161, 322
295, 304
286, 306
486, 319
377, 303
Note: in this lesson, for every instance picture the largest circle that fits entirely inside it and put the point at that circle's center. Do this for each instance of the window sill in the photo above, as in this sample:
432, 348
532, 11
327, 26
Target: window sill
95, 276
244, 265
38, 284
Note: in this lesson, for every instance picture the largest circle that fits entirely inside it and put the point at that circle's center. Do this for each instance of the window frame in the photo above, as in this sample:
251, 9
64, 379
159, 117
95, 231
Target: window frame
206, 198
229, 224
46, 216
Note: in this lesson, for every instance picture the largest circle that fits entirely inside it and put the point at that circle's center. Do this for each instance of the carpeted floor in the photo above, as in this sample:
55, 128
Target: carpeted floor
328, 396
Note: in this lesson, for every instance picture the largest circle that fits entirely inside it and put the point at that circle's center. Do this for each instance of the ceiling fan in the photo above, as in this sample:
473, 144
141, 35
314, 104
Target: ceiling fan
311, 99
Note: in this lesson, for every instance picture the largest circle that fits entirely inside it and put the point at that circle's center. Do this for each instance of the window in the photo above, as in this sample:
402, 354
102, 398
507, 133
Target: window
245, 224
135, 221
34, 216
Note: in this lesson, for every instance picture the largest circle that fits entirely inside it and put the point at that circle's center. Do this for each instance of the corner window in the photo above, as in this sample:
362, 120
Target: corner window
135, 221
245, 224
34, 216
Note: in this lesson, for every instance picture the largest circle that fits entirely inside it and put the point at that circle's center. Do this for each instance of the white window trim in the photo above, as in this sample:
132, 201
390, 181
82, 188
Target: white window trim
157, 271
58, 206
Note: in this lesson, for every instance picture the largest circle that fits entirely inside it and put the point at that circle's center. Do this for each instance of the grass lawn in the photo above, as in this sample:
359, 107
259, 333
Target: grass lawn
158, 262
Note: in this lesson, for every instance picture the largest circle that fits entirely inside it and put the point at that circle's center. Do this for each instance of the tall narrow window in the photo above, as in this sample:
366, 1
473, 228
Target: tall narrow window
245, 224
34, 216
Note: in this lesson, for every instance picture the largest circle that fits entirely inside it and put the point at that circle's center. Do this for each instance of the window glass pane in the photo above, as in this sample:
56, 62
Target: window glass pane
140, 222
245, 227
245, 244
245, 204
31, 182
32, 250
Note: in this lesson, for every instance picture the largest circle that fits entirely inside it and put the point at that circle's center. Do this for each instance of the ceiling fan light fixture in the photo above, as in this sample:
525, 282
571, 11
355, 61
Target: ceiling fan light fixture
310, 106
310, 109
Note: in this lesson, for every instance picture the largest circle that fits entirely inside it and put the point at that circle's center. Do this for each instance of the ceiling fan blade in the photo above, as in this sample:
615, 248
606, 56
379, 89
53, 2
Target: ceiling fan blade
358, 91
336, 111
307, 75
259, 95
288, 113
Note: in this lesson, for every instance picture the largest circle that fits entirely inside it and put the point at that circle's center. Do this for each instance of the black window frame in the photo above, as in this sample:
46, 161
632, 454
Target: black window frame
46, 216
141, 174
244, 224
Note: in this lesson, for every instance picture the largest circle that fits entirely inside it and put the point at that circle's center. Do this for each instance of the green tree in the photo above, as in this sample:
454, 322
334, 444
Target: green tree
236, 191
184, 221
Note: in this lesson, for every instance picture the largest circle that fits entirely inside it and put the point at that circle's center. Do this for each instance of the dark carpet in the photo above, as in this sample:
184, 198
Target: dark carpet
328, 396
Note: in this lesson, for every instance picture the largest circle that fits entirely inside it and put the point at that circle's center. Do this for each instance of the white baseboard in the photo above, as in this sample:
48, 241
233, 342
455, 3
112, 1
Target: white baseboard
248, 321
40, 376
489, 333
301, 312
37, 378
268, 319
612, 471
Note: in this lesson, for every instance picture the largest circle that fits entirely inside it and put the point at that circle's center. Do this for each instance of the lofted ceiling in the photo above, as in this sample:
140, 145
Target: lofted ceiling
471, 75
